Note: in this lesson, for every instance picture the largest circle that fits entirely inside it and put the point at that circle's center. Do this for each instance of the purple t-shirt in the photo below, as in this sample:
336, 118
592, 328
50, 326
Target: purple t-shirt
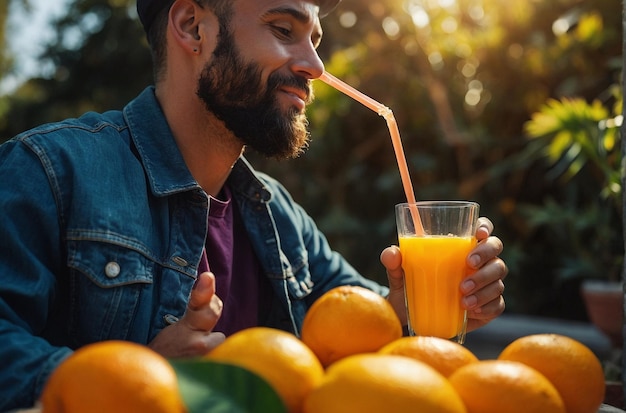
229, 256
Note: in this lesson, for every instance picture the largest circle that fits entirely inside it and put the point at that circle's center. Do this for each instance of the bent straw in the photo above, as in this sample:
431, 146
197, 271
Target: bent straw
386, 113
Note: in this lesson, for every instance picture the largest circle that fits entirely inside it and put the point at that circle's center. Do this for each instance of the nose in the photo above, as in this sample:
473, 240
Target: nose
307, 62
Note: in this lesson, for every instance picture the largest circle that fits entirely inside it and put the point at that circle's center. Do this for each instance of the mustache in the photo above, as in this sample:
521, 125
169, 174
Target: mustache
277, 81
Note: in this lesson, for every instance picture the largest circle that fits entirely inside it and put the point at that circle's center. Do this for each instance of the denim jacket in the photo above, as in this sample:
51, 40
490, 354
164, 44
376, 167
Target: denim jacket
102, 232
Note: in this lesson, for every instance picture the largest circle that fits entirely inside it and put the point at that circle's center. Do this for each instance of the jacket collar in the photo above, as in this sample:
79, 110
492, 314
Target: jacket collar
165, 167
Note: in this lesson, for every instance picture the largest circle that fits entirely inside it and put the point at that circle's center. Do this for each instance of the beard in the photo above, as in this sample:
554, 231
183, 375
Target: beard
233, 91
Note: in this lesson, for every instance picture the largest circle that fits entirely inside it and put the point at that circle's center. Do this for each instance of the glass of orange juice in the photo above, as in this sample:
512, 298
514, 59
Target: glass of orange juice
435, 238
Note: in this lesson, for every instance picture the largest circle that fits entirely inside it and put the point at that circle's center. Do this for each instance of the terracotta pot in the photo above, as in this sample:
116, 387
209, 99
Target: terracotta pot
604, 301
614, 395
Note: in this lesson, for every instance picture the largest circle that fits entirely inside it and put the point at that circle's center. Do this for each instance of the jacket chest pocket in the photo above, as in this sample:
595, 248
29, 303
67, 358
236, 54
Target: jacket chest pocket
107, 285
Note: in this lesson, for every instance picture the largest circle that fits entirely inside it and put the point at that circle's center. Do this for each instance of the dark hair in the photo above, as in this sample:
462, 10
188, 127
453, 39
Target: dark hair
157, 38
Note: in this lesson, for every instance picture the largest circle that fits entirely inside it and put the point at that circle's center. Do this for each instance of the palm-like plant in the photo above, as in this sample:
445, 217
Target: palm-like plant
579, 134
580, 142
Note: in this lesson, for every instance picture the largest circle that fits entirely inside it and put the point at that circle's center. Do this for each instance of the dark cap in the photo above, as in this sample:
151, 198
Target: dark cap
149, 9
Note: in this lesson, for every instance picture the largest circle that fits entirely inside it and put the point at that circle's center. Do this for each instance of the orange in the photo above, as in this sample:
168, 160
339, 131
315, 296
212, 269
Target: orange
376, 383
444, 355
113, 376
349, 320
280, 358
570, 365
497, 386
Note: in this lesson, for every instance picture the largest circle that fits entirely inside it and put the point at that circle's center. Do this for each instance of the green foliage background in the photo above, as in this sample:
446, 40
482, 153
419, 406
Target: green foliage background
463, 84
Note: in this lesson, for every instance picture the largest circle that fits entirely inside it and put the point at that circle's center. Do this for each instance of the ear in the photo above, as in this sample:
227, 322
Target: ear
185, 19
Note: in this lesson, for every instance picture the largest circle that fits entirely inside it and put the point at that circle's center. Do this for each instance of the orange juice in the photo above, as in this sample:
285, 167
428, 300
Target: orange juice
434, 267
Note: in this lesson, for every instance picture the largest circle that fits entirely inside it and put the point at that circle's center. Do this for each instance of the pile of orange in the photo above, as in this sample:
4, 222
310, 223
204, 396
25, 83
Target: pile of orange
369, 367
352, 357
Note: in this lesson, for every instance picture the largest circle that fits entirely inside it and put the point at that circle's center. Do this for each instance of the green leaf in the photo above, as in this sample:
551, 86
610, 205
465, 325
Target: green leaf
209, 386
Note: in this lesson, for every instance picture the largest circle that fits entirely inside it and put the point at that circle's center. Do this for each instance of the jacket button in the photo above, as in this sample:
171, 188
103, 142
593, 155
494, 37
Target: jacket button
180, 261
304, 286
170, 319
112, 269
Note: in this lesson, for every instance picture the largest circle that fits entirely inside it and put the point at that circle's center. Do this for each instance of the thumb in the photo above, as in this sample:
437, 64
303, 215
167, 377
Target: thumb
392, 261
204, 307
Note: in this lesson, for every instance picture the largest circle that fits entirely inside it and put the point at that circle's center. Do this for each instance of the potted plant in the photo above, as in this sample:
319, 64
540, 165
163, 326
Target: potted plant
581, 141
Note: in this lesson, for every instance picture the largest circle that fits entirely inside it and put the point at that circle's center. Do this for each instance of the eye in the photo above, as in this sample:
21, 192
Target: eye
282, 31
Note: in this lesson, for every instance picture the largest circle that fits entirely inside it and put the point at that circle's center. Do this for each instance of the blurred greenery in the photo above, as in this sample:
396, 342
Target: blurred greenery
514, 104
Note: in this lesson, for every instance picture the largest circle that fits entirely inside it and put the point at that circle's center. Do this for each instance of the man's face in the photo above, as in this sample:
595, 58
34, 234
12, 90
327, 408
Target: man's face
263, 107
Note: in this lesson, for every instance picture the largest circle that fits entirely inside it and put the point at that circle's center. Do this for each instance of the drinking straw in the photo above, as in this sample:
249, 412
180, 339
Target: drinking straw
392, 125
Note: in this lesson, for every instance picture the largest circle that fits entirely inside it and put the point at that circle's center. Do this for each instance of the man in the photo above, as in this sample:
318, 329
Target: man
149, 225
